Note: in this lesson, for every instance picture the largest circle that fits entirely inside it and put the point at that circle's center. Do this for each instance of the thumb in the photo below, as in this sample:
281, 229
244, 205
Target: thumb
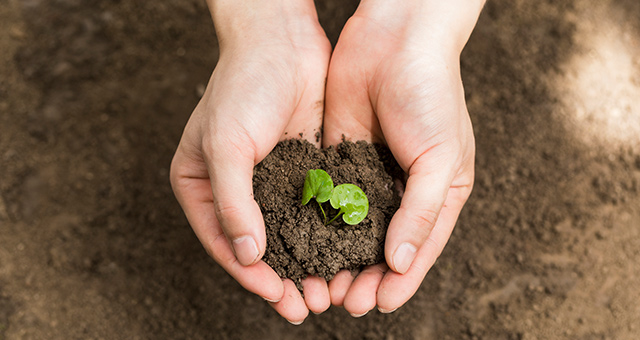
424, 196
231, 174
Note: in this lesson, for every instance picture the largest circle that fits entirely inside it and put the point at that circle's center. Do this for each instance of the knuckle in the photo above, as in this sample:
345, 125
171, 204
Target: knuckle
214, 247
430, 242
425, 218
209, 249
226, 211
173, 180
174, 176
208, 146
419, 222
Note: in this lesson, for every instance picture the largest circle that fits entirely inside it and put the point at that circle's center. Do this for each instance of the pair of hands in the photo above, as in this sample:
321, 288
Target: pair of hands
394, 77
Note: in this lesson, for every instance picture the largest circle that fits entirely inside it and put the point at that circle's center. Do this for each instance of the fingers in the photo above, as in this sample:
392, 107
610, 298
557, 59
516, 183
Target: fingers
316, 294
231, 172
361, 297
389, 290
396, 289
259, 278
292, 306
339, 286
193, 191
410, 226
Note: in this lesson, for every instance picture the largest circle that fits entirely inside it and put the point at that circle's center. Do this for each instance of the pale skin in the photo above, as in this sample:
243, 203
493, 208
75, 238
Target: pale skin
394, 77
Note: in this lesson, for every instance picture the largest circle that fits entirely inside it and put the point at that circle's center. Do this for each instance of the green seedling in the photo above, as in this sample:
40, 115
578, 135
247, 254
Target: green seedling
352, 203
317, 184
349, 199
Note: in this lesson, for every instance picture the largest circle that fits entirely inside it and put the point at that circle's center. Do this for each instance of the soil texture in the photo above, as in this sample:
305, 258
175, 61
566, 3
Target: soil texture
298, 242
94, 96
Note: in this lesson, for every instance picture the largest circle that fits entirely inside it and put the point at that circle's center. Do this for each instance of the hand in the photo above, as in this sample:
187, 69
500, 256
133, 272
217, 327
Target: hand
394, 78
268, 84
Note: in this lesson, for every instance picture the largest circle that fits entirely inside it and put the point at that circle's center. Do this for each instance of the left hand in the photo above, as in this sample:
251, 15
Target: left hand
268, 85
394, 78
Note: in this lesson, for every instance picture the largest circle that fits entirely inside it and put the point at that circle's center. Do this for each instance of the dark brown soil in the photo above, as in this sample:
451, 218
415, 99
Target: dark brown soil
94, 96
298, 242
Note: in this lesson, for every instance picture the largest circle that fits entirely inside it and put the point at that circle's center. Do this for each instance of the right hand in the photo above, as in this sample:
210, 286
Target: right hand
268, 83
395, 78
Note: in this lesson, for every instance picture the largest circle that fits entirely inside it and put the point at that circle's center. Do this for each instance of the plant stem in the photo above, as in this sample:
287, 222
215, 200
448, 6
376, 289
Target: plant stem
323, 214
333, 219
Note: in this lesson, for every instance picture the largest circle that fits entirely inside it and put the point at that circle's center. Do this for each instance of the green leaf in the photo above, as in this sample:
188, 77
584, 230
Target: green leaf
317, 184
351, 201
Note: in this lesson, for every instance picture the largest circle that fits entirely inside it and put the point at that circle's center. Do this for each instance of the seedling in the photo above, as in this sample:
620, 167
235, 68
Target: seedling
352, 203
317, 184
349, 199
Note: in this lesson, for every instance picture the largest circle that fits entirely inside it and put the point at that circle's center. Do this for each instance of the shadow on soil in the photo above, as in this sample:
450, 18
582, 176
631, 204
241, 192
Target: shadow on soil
118, 82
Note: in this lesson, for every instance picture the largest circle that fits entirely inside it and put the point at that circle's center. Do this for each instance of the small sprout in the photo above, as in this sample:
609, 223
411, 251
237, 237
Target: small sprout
352, 203
317, 184
349, 199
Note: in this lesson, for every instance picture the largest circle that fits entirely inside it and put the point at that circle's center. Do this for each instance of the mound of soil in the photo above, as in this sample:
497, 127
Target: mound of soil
94, 96
298, 242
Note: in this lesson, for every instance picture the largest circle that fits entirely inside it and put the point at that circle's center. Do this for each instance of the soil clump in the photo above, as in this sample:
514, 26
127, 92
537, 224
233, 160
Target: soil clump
298, 242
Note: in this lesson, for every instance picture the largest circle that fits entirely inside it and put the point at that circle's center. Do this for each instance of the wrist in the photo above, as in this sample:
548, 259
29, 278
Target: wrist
250, 22
445, 25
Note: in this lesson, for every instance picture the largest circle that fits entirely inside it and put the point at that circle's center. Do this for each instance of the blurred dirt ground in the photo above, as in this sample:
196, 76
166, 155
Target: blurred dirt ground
93, 99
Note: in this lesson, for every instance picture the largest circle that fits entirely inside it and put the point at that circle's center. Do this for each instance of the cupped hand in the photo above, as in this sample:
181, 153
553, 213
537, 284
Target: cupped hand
394, 78
268, 85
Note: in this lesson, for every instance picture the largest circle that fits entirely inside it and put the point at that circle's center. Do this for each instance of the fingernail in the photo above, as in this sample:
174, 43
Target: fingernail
359, 315
296, 323
269, 300
403, 257
246, 250
386, 311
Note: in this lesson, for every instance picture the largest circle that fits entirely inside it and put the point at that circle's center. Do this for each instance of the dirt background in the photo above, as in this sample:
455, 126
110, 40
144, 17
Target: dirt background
93, 99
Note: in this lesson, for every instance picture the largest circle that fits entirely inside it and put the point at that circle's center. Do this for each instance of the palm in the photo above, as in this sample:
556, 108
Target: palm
255, 97
270, 91
349, 110
382, 91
